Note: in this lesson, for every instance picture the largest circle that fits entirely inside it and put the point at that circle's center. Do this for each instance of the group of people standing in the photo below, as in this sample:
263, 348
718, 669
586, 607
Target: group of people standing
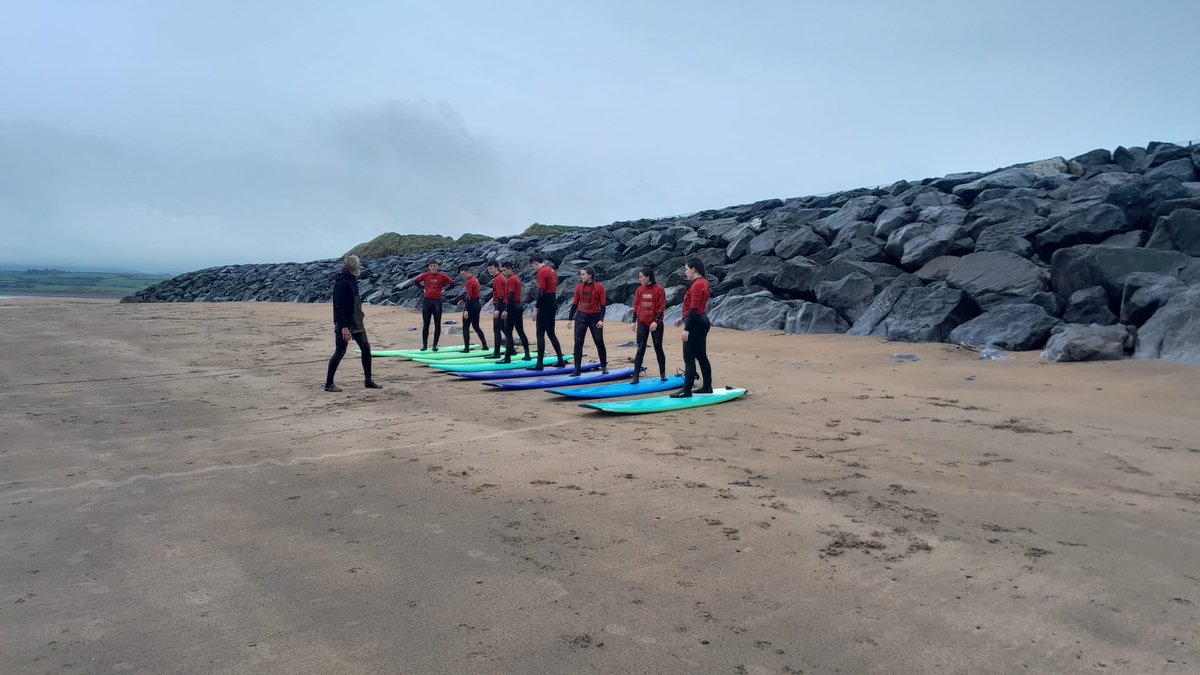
586, 314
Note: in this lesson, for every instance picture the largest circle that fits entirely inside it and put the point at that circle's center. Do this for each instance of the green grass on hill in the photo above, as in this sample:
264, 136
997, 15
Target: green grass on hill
86, 284
391, 243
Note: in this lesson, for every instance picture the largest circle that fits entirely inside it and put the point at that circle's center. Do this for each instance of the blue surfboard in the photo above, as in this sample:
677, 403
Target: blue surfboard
647, 386
559, 380
521, 372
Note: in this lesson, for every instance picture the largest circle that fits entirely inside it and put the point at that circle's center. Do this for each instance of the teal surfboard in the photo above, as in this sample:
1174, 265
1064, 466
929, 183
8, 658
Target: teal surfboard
449, 352
658, 404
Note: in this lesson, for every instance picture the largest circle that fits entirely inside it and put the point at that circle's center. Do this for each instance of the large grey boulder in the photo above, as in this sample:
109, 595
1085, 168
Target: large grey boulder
1013, 236
1179, 169
1179, 231
764, 244
739, 246
870, 322
998, 211
1015, 327
1081, 342
1086, 224
1173, 333
1008, 179
1144, 292
1089, 305
859, 208
811, 318
937, 269
756, 312
893, 219
1079, 267
850, 295
801, 241
996, 277
928, 314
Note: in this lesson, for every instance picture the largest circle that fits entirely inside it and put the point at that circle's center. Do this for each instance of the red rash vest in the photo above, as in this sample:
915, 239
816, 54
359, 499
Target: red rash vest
649, 304
435, 284
589, 299
695, 301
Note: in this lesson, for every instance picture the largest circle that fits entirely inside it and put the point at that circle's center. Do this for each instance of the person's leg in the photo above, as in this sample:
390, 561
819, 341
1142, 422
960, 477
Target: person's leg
365, 346
658, 351
598, 338
689, 369
643, 332
466, 321
426, 315
539, 329
580, 336
338, 353
437, 326
552, 334
498, 336
508, 339
702, 357
521, 332
474, 313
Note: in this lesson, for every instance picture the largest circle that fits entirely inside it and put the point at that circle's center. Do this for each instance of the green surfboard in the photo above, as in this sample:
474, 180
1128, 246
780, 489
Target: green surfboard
657, 404
448, 352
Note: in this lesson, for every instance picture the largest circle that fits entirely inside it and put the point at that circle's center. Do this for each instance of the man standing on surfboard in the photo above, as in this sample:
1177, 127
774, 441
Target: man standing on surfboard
649, 304
587, 311
544, 311
471, 309
348, 323
513, 314
434, 283
498, 293
695, 330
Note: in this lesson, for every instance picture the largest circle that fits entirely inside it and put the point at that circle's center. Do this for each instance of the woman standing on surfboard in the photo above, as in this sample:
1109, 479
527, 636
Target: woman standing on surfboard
587, 311
649, 303
695, 330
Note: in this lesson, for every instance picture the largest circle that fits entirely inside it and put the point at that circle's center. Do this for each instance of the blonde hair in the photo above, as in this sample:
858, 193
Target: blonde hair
351, 263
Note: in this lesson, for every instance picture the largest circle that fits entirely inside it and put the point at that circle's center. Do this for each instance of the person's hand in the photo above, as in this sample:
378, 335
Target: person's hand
535, 314
462, 302
466, 317
600, 324
496, 314
678, 322
504, 314
683, 334
653, 326
634, 327
346, 334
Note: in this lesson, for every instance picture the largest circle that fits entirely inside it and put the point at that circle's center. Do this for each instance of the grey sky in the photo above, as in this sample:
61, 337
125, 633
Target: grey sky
171, 136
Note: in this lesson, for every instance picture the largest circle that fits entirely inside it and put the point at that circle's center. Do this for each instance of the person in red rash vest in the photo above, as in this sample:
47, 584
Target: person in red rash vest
498, 292
434, 283
513, 314
587, 311
471, 309
545, 309
649, 304
695, 330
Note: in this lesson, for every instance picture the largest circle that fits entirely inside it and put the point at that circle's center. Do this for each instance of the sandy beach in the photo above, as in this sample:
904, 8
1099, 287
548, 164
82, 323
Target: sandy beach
180, 496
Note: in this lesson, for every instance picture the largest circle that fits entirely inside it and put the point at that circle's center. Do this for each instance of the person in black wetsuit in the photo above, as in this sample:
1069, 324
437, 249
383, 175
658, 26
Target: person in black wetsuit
348, 323
471, 306
545, 309
649, 304
695, 330
499, 291
513, 314
434, 284
587, 311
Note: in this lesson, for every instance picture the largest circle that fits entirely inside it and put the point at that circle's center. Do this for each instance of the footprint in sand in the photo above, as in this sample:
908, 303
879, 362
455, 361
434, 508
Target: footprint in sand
481, 555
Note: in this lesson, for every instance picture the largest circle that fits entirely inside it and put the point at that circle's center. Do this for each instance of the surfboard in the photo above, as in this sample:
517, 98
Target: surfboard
647, 386
560, 380
409, 353
491, 365
658, 404
523, 372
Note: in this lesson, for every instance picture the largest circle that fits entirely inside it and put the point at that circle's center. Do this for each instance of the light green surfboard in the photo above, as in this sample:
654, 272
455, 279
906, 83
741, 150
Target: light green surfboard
657, 404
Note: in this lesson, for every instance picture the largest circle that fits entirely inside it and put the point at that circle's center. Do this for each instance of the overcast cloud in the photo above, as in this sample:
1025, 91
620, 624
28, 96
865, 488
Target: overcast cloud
172, 136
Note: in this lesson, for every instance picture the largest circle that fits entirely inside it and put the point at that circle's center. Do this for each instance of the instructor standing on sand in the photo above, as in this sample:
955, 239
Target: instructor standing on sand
545, 309
695, 330
434, 283
348, 323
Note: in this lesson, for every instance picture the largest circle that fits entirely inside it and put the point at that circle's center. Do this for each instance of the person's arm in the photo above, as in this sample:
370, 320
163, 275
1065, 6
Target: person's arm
574, 303
603, 300
660, 306
419, 281
448, 279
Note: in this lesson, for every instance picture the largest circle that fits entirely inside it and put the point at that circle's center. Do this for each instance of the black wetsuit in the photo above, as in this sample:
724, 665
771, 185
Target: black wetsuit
347, 313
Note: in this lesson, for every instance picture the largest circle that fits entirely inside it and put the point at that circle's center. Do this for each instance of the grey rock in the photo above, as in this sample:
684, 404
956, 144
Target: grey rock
1079, 267
1144, 292
1013, 236
893, 219
1080, 342
801, 241
1180, 231
1132, 239
764, 244
850, 296
739, 246
928, 314
1088, 224
1179, 169
810, 318
937, 269
1016, 327
757, 312
1007, 178
857, 209
996, 277
1173, 333
1089, 305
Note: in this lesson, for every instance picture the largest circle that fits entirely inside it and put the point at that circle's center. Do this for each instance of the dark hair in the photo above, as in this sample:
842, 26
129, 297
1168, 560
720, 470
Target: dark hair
506, 265
590, 272
649, 272
493, 263
696, 264
434, 261
536, 258
464, 268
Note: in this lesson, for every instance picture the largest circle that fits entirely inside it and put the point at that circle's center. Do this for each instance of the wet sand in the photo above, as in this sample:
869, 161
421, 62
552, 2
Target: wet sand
181, 496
